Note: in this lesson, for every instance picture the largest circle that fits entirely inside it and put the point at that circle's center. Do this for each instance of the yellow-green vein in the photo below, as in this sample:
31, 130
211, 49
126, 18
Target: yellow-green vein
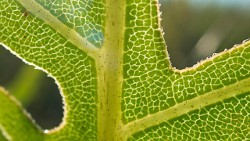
60, 27
187, 106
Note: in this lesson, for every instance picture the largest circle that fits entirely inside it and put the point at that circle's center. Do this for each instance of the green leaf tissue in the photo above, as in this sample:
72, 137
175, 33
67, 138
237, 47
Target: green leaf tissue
109, 60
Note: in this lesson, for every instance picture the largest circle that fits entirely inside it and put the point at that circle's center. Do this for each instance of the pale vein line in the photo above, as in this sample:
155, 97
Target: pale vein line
187, 106
109, 72
60, 27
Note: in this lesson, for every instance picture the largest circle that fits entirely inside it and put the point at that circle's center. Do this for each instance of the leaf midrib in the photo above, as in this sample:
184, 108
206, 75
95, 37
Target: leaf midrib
109, 72
108, 61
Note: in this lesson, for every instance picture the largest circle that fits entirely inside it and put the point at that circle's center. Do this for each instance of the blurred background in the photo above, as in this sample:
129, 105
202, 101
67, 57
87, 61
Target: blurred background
194, 30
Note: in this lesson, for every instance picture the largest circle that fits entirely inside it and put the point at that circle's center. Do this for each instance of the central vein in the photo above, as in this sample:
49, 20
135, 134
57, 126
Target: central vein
109, 70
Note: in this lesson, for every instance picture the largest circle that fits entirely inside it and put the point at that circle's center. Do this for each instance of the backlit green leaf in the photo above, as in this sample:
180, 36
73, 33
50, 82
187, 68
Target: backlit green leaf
110, 62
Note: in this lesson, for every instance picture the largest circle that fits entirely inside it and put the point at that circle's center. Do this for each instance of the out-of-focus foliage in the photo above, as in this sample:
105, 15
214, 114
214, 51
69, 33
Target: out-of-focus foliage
194, 32
37, 92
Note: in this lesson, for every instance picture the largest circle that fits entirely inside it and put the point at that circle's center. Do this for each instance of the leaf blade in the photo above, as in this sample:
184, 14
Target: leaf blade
86, 18
15, 122
41, 46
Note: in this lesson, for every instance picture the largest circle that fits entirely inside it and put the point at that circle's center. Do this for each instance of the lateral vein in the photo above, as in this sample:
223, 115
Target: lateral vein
69, 33
187, 106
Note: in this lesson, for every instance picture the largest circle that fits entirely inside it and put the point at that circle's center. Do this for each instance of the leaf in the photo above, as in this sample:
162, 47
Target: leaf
2, 138
110, 62
14, 122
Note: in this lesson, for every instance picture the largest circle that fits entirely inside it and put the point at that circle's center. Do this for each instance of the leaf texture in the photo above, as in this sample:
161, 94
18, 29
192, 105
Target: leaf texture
32, 39
110, 62
12, 113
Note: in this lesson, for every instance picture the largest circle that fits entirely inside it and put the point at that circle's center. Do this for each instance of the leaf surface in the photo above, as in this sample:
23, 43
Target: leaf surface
110, 62
11, 114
